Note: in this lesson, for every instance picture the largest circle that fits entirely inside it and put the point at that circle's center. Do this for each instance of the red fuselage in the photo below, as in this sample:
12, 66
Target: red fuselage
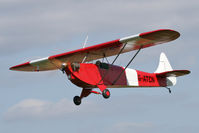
87, 75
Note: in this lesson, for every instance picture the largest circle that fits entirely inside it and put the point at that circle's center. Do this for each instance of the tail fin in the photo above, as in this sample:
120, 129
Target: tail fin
164, 66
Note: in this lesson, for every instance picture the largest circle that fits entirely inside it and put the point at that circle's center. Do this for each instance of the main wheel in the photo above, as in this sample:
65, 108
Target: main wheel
77, 100
106, 93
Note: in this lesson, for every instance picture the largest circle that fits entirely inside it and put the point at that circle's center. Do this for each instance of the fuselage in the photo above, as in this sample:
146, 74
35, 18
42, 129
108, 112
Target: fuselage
88, 75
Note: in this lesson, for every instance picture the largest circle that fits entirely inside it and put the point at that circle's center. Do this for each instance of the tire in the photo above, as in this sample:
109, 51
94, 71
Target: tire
77, 100
106, 93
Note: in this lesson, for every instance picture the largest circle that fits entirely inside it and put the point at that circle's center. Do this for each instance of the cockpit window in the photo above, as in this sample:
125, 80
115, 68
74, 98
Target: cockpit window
104, 66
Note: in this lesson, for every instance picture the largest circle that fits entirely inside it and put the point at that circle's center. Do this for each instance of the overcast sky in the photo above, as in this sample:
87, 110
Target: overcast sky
42, 102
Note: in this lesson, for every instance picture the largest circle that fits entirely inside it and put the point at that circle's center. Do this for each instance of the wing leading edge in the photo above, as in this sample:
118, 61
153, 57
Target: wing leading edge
95, 52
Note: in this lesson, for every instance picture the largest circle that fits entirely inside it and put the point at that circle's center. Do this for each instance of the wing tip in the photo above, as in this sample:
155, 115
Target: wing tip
20, 66
187, 71
161, 35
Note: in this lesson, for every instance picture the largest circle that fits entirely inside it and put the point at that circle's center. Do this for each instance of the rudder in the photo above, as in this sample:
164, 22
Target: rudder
164, 66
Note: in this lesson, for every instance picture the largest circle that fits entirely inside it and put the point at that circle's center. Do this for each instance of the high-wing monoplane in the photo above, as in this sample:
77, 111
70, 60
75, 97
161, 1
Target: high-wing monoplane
75, 64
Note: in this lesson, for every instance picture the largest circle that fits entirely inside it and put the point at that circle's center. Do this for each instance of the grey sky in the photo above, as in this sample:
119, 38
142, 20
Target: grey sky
42, 102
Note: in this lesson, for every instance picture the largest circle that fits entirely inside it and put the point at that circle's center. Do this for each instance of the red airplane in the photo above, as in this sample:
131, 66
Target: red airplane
75, 64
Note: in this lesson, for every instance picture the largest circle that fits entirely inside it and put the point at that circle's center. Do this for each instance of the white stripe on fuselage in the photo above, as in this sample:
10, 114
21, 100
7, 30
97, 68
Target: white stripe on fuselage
132, 77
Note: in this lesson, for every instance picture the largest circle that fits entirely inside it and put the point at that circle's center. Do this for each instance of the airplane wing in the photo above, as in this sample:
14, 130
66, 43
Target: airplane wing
95, 52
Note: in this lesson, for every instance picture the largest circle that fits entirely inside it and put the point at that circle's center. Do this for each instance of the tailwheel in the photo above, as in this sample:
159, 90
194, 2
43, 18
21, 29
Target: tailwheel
106, 93
77, 100
168, 89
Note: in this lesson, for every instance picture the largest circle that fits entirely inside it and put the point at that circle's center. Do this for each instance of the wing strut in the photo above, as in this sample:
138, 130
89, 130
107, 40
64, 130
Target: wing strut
118, 54
113, 62
126, 66
105, 58
85, 57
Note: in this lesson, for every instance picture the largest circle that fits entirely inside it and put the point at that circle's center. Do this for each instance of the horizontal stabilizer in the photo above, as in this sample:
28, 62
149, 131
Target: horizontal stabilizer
174, 73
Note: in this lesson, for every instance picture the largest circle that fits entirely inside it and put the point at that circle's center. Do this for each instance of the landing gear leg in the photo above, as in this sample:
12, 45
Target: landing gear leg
168, 89
77, 99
